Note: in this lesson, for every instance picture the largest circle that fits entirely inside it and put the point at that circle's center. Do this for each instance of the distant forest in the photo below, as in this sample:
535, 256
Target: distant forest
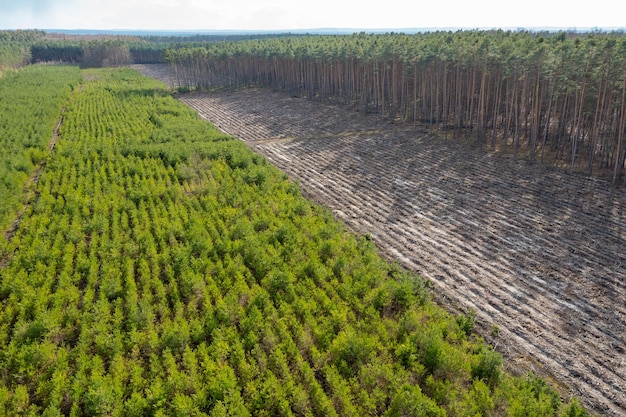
101, 49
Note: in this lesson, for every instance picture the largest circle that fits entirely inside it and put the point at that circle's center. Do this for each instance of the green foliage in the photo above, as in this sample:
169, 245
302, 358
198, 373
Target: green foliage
167, 270
15, 47
350, 351
487, 366
535, 398
466, 321
399, 293
478, 401
573, 409
411, 402
28, 115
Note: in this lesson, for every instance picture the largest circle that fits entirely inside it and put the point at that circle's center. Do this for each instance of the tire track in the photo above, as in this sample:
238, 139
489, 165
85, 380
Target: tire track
536, 252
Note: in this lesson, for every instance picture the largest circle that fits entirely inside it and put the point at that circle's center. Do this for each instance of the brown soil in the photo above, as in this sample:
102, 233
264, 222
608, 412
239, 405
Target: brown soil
537, 252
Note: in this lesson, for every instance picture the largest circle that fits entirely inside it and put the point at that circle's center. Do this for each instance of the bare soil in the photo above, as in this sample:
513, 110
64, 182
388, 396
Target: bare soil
535, 251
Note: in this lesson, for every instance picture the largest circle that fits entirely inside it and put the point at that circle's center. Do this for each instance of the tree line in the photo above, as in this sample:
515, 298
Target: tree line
22, 47
557, 98
110, 52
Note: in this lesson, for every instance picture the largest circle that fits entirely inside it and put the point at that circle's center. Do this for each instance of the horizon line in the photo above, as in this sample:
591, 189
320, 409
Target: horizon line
335, 29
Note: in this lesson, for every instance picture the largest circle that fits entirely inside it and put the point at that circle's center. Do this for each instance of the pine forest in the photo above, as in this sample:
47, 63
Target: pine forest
557, 98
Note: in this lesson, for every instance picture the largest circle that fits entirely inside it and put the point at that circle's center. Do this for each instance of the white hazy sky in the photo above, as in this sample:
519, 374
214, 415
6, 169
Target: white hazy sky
290, 14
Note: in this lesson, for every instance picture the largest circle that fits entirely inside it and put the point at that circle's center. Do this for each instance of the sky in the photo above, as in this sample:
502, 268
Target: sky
284, 15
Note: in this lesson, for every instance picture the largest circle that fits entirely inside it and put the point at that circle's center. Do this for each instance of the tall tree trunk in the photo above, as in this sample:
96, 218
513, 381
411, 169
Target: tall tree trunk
620, 139
579, 105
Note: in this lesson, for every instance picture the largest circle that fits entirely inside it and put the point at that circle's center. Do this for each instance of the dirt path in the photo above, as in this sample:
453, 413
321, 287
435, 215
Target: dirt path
535, 251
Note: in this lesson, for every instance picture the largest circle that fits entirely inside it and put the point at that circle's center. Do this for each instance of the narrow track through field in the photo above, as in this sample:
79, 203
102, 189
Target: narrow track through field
535, 251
